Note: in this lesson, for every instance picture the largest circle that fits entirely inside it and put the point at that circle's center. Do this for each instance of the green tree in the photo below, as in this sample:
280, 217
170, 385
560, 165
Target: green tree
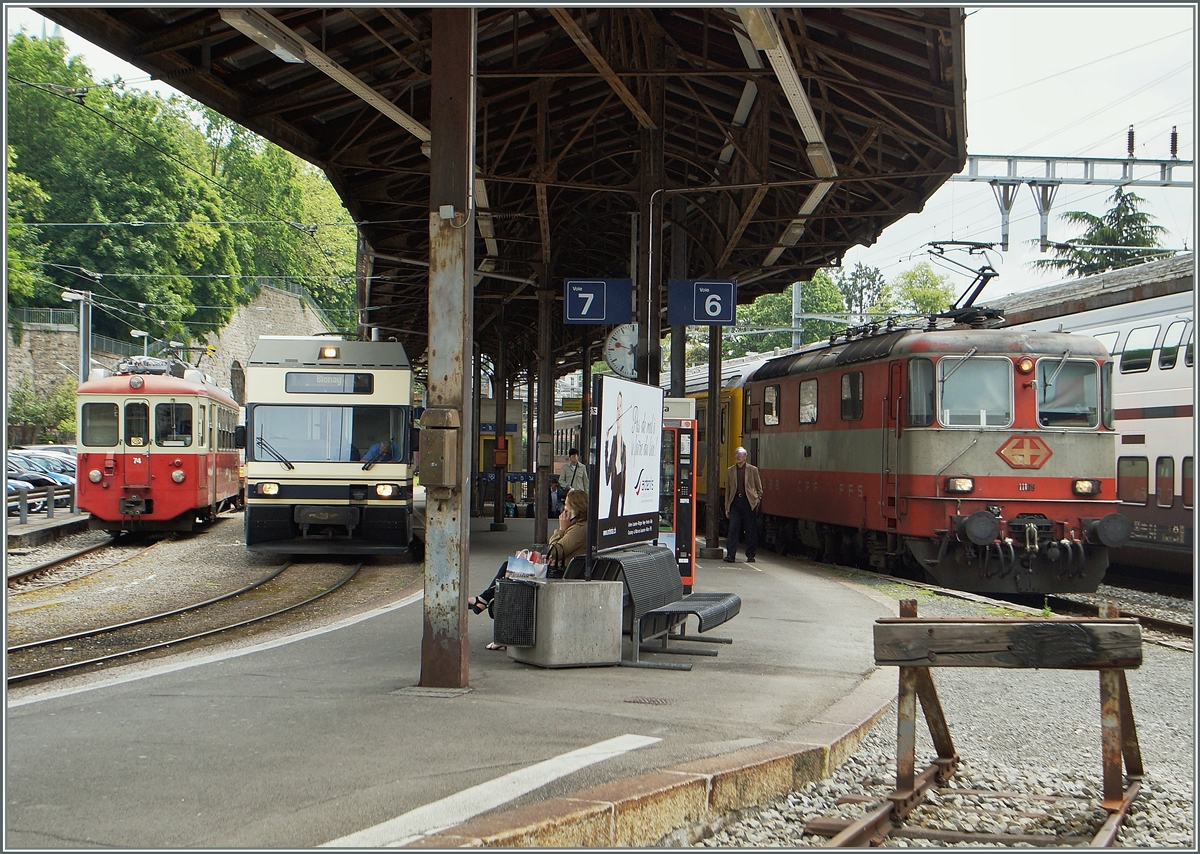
921, 290
821, 295
54, 413
861, 288
1123, 225
25, 202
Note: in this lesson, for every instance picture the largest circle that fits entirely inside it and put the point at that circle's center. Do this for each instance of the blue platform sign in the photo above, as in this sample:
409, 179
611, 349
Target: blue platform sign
598, 301
701, 302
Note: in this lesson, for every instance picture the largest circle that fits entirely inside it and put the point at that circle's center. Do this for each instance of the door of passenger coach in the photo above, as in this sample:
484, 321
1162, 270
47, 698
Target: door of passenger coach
136, 471
893, 412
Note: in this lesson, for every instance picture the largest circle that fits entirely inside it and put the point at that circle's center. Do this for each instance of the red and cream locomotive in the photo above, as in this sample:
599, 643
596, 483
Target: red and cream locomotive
156, 447
982, 458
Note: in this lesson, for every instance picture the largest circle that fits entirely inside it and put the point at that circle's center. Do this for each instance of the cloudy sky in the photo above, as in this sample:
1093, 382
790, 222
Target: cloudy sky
1042, 81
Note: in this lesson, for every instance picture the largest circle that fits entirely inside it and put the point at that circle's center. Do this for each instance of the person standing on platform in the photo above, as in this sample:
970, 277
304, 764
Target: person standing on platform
574, 474
743, 497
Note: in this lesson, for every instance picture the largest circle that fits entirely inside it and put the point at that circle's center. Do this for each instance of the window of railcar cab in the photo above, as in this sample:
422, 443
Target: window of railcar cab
922, 404
137, 423
1139, 350
307, 433
852, 396
173, 424
1186, 487
975, 391
1107, 414
808, 401
1068, 393
1133, 480
771, 405
1164, 481
101, 427
1109, 340
1168, 354
311, 382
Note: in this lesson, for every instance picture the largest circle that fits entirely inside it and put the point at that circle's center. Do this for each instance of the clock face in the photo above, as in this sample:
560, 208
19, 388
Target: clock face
620, 350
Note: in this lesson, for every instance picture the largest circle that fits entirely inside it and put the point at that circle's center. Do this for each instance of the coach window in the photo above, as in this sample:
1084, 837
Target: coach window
852, 396
1168, 354
808, 401
1187, 485
137, 424
100, 428
173, 424
1164, 481
1068, 393
975, 391
1139, 350
1133, 479
921, 403
771, 405
1109, 340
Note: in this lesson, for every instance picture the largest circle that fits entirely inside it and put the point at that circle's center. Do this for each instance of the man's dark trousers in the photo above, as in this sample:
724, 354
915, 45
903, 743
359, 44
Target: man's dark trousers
741, 517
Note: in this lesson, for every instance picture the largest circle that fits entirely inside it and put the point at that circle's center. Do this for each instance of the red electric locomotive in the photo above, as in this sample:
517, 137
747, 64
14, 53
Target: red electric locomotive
980, 458
156, 448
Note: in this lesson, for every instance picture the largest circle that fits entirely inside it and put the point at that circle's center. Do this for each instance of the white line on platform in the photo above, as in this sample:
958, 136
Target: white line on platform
469, 803
172, 666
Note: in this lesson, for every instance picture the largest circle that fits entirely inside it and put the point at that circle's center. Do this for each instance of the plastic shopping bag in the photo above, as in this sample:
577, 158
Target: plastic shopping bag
526, 564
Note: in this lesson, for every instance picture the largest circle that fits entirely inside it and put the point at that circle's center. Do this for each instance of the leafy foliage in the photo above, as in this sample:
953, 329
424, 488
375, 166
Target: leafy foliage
921, 290
213, 206
55, 413
1123, 225
861, 288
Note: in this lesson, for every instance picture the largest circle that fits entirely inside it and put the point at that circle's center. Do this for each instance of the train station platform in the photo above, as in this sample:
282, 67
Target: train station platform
39, 530
321, 737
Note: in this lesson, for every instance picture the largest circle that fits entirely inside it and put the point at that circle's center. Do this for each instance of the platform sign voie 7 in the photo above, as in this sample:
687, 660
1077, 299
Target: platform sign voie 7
598, 301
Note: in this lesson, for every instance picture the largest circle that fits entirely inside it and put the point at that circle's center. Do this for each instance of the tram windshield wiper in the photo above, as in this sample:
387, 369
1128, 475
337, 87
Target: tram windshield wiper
264, 445
960, 363
1062, 364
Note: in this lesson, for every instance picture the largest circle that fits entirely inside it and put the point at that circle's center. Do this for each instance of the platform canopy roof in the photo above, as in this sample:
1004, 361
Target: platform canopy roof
792, 134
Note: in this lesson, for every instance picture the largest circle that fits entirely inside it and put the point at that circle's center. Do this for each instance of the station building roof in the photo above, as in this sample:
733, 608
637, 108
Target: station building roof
579, 112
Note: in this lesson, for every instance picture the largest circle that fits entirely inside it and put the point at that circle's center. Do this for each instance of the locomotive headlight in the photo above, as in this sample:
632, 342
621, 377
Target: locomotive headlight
136, 382
94, 475
177, 475
387, 490
960, 484
1025, 364
329, 352
1085, 487
268, 489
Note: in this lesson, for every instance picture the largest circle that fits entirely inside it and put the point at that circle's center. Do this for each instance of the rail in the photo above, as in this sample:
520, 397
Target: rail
41, 502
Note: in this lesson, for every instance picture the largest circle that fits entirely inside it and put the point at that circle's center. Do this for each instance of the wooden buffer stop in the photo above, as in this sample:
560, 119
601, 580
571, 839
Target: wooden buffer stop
1107, 644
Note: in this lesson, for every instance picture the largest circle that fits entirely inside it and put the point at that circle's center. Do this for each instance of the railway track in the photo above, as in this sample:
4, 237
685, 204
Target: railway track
69, 652
61, 570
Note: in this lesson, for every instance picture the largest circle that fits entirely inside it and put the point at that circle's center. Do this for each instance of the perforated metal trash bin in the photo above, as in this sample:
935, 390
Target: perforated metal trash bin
515, 610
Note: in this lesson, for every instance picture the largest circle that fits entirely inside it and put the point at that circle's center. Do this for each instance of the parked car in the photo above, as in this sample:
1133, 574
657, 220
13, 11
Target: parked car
24, 469
52, 461
69, 450
35, 505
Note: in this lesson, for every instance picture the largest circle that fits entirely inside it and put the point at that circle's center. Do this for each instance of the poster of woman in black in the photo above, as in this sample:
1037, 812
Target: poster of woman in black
629, 433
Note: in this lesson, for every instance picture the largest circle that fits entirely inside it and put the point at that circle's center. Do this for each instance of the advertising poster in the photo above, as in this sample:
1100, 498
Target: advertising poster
628, 444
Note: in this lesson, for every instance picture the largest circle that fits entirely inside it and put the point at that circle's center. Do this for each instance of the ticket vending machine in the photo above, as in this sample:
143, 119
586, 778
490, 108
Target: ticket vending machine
677, 506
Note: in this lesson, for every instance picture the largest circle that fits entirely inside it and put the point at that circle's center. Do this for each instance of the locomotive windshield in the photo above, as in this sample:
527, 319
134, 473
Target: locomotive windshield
976, 391
370, 434
1068, 393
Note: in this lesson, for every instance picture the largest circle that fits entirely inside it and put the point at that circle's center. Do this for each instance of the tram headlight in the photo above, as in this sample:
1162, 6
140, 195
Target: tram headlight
177, 475
268, 489
94, 475
960, 484
387, 490
136, 382
1085, 487
1025, 365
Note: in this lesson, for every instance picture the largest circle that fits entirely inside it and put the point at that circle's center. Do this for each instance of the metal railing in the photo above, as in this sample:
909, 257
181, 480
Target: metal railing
41, 502
52, 316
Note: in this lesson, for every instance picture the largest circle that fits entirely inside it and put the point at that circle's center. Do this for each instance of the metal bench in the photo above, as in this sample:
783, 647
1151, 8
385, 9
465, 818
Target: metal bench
655, 604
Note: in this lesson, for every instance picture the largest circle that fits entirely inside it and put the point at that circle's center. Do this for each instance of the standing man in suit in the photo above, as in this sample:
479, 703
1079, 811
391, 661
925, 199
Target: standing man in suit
615, 462
743, 497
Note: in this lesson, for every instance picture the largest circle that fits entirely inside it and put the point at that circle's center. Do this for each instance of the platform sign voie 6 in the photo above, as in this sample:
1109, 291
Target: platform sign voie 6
598, 301
701, 302
628, 440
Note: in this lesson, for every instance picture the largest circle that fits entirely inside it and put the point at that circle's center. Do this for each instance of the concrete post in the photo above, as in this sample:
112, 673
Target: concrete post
444, 661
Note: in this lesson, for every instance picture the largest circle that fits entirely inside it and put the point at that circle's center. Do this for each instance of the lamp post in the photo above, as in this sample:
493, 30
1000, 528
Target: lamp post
84, 298
145, 336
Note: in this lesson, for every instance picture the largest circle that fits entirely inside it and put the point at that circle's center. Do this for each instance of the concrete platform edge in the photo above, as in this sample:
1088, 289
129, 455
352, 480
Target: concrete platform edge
46, 532
682, 804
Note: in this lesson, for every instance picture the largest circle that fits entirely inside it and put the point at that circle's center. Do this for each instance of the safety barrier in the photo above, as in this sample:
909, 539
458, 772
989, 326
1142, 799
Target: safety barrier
41, 502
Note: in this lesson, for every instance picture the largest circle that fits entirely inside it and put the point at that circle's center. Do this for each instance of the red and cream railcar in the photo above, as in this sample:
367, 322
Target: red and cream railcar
156, 447
982, 457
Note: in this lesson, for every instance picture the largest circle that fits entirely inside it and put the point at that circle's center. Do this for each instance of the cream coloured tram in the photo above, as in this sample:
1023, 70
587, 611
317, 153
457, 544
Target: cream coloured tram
329, 466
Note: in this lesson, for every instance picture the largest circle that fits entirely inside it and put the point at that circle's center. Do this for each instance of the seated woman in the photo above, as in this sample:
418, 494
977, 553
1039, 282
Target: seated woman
568, 541
510, 505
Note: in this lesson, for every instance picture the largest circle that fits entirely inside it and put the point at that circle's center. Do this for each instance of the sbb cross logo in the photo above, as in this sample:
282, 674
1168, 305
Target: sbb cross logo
1025, 452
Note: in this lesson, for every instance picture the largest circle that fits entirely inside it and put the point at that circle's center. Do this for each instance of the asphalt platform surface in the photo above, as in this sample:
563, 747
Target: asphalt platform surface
323, 738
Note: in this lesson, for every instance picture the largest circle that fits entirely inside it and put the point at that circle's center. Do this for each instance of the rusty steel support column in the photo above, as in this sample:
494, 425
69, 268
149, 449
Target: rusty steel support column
475, 466
585, 412
545, 411
444, 660
678, 271
500, 393
715, 475
648, 283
